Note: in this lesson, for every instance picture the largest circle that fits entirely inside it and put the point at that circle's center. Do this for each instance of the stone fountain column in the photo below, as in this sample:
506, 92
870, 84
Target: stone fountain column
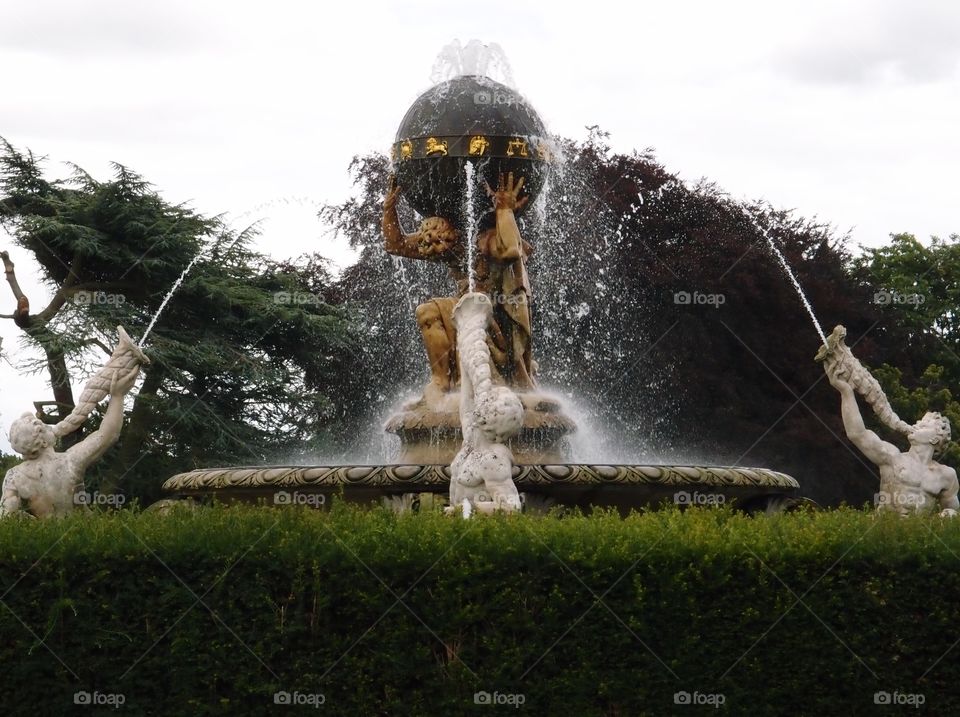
481, 473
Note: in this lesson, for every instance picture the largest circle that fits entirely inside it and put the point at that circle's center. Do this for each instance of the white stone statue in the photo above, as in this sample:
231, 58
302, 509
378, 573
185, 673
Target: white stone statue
46, 482
482, 471
911, 481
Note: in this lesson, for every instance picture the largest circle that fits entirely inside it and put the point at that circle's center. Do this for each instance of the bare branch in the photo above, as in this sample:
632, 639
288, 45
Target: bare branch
11, 275
60, 298
70, 287
99, 343
21, 316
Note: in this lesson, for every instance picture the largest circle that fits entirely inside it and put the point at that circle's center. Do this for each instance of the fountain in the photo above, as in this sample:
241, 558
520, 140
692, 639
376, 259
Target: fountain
470, 156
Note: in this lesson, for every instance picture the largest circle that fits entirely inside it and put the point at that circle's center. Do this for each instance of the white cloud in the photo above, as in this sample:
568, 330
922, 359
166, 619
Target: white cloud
103, 28
877, 42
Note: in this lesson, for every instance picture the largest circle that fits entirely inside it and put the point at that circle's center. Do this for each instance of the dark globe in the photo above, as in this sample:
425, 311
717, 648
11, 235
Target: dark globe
468, 119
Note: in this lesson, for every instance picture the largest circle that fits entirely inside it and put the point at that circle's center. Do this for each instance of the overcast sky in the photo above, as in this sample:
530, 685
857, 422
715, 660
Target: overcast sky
847, 110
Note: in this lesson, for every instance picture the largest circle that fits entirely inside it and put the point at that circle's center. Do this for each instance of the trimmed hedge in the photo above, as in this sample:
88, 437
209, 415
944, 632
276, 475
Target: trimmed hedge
414, 614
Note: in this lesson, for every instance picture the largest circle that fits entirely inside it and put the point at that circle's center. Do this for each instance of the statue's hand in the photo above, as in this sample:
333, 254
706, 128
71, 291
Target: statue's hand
507, 195
393, 194
837, 376
120, 385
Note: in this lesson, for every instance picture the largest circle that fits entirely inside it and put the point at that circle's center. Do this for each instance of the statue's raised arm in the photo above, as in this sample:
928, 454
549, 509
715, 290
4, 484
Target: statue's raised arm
878, 451
435, 238
90, 449
507, 244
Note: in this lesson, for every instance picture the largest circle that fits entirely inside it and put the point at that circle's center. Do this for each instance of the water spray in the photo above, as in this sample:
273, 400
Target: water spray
166, 299
796, 284
471, 228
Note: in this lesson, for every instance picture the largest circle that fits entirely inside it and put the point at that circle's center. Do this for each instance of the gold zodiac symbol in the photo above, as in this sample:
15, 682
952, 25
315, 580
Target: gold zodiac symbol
478, 145
435, 147
406, 149
517, 146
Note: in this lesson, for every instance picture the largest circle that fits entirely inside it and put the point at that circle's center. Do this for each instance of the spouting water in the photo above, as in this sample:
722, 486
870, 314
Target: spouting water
471, 228
166, 299
793, 278
475, 58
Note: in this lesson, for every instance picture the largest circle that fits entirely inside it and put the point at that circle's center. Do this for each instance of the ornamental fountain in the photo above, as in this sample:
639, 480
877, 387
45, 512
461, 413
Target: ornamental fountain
470, 156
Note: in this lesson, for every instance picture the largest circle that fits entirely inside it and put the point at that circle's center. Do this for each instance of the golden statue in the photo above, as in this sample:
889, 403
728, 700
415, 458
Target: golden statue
499, 272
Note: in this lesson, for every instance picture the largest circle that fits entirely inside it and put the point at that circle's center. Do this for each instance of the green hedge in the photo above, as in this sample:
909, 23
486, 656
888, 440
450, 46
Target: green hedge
414, 614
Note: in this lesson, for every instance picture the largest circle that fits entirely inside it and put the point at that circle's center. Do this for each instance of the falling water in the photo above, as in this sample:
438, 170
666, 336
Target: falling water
793, 278
166, 299
471, 218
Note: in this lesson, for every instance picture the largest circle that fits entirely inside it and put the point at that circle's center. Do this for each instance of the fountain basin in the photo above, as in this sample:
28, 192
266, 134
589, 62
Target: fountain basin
543, 486
430, 433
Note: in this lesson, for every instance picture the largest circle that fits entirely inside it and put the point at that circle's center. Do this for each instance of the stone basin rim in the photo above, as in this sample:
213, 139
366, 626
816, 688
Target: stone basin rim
413, 475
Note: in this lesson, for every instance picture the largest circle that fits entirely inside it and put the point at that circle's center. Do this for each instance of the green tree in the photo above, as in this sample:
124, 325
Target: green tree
917, 290
6, 463
250, 360
931, 393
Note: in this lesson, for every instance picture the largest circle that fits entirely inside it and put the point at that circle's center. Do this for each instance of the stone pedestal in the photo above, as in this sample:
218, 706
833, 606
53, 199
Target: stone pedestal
429, 432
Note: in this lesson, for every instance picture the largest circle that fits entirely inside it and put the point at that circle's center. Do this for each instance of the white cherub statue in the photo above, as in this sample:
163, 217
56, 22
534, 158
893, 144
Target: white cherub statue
46, 482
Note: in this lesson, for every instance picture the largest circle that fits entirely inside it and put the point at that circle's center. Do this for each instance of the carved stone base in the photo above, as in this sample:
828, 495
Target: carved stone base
429, 430
407, 487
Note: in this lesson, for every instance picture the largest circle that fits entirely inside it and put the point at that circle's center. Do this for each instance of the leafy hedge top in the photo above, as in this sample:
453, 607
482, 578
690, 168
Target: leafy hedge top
379, 535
